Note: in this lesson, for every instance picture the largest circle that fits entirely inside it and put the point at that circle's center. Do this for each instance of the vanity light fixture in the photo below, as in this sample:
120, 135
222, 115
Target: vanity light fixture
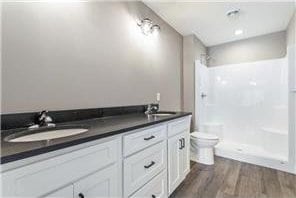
147, 27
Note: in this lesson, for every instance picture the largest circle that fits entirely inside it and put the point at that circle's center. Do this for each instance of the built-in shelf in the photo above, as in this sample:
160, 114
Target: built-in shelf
274, 131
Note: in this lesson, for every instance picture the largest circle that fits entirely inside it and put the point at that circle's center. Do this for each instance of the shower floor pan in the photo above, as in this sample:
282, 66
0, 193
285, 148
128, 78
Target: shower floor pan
252, 154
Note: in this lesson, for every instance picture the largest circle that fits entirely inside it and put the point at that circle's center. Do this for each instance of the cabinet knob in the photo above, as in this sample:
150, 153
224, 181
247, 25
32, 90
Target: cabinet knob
80, 195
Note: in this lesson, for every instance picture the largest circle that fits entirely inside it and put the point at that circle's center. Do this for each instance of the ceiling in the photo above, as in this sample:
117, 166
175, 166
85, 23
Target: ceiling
208, 20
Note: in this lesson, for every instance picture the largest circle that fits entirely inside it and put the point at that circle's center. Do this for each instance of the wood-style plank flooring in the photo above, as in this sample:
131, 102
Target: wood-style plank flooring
234, 179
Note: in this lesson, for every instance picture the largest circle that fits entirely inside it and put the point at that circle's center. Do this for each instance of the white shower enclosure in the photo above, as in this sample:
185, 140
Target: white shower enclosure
246, 105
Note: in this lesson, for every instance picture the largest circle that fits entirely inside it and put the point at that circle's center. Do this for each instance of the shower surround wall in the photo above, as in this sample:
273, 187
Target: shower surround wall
250, 103
263, 48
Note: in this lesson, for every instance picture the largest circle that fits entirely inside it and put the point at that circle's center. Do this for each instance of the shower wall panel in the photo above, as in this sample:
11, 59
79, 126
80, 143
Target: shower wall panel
250, 100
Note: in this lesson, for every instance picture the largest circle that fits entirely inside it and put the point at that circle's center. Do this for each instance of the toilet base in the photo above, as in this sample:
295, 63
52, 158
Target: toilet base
203, 156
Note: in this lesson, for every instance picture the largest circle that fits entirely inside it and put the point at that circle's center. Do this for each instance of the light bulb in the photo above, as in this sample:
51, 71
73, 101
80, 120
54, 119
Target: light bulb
146, 26
155, 29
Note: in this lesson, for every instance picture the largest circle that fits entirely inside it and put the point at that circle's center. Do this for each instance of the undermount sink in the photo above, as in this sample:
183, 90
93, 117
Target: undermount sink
163, 113
45, 134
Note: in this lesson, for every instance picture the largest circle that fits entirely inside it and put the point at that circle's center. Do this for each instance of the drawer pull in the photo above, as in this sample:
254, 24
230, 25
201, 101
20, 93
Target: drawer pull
149, 138
183, 145
151, 164
153, 196
80, 195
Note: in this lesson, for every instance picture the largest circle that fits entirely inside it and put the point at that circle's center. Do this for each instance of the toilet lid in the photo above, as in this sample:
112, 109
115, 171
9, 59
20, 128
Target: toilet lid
201, 135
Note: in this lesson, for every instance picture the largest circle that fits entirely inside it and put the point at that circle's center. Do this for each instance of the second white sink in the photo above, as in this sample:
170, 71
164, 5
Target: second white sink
48, 135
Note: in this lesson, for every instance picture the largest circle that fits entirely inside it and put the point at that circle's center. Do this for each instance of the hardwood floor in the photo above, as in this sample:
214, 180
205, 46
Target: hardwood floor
233, 179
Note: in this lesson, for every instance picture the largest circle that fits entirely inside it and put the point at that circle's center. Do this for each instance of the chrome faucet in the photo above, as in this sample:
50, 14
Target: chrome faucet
151, 109
42, 120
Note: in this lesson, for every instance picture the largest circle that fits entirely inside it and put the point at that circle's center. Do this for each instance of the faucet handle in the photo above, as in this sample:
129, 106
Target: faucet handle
154, 107
151, 108
42, 115
47, 119
43, 118
43, 112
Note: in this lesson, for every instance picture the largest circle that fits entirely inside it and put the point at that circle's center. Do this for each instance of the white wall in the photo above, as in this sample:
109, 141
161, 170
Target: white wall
82, 55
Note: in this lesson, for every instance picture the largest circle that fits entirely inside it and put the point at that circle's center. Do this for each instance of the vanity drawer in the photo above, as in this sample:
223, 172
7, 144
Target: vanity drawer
179, 126
157, 187
142, 139
143, 166
38, 179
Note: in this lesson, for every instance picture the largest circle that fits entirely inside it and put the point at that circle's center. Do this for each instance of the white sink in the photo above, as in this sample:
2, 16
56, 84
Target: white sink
163, 113
48, 135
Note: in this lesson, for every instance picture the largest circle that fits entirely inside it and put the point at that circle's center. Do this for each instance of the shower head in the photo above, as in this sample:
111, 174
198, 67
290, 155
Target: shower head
205, 56
208, 57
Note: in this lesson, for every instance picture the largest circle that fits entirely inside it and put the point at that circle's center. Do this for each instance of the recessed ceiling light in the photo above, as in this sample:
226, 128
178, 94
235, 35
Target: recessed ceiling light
238, 32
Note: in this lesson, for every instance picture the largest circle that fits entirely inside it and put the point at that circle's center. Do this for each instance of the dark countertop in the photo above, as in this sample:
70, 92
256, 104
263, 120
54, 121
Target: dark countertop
97, 128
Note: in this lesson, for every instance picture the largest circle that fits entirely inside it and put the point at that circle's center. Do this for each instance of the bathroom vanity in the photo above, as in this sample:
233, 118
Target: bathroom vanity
136, 156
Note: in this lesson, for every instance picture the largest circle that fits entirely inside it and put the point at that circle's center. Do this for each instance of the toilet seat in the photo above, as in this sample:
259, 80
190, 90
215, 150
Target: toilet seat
205, 136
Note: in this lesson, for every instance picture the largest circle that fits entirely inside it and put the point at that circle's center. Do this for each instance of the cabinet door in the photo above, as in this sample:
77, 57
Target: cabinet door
104, 183
66, 192
175, 160
186, 154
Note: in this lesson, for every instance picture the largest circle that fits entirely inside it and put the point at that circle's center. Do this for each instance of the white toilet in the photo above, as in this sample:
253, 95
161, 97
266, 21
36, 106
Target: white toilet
202, 147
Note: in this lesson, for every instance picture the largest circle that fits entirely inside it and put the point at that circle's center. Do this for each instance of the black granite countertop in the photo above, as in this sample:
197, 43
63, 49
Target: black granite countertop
97, 128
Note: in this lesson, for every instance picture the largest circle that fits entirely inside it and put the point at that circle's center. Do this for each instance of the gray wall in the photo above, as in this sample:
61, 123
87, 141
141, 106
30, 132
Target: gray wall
82, 55
291, 31
264, 47
192, 49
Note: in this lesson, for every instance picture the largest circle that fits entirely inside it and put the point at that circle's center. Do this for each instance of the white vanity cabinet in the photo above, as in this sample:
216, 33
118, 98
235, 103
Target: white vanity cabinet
148, 162
48, 178
178, 152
